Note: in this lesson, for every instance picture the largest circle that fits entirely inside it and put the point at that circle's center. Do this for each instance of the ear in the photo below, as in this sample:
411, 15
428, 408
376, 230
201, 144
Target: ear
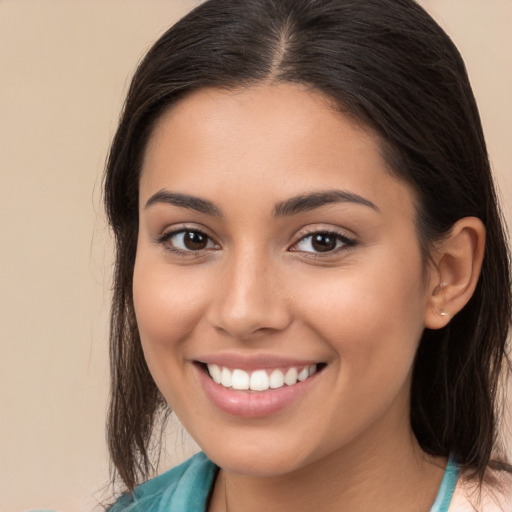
457, 262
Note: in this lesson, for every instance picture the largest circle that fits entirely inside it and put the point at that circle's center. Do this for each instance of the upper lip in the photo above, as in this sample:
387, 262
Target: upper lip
255, 361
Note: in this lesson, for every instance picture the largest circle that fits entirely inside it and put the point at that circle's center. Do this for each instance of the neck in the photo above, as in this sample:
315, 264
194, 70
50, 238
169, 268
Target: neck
371, 474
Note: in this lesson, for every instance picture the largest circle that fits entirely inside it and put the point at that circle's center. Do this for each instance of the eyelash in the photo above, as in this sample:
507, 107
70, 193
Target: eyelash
166, 238
344, 240
337, 236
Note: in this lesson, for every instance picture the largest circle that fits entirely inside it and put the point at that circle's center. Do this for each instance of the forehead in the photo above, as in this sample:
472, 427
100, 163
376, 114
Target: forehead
258, 112
265, 137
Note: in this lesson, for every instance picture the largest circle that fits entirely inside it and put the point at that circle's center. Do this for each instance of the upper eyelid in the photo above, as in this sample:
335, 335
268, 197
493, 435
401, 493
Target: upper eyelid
164, 241
308, 231
348, 240
301, 234
167, 234
174, 230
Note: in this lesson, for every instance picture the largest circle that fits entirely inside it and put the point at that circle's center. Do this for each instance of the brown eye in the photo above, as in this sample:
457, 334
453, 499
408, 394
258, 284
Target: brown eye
323, 242
194, 241
188, 240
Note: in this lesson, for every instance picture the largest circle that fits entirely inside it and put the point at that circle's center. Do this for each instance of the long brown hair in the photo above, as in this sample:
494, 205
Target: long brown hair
388, 64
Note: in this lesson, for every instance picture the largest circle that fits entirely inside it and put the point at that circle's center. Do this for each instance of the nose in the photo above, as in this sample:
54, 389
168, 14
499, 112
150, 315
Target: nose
250, 299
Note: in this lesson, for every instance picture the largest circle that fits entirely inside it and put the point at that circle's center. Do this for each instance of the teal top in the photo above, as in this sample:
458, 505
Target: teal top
186, 488
448, 483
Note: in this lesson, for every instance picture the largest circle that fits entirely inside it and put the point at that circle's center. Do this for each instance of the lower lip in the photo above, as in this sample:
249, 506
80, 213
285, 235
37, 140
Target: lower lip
253, 404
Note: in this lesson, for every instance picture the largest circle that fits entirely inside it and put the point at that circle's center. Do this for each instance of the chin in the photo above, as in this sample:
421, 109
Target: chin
259, 457
257, 466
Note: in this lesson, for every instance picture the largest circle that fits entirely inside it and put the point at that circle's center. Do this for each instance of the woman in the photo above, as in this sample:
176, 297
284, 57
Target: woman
311, 267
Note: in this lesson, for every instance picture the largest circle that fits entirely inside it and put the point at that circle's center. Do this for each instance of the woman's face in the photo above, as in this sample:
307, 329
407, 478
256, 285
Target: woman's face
276, 247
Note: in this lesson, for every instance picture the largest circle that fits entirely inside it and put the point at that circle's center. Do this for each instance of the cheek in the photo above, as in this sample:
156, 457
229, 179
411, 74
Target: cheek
372, 318
167, 309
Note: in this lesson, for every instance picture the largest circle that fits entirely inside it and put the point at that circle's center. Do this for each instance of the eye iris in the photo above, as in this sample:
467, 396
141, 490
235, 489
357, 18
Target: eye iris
195, 241
323, 242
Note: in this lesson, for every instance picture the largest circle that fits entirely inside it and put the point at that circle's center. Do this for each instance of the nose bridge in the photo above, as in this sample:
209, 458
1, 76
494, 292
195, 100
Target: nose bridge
250, 298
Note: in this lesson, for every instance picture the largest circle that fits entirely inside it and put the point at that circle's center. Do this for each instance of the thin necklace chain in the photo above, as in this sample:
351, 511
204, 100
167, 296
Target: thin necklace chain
226, 492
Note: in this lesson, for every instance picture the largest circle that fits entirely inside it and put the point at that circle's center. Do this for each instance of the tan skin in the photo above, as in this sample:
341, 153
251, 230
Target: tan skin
355, 299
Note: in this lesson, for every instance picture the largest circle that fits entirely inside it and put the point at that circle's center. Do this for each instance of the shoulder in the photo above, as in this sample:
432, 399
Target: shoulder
186, 486
495, 494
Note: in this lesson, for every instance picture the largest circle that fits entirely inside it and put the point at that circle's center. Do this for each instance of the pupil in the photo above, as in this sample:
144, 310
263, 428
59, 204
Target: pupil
324, 243
194, 241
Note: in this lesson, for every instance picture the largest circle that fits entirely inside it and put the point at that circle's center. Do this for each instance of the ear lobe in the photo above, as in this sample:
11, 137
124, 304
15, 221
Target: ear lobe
457, 264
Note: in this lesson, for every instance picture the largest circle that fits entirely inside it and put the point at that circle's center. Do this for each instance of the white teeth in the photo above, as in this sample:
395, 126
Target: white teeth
215, 373
225, 378
240, 379
276, 379
303, 374
259, 380
291, 377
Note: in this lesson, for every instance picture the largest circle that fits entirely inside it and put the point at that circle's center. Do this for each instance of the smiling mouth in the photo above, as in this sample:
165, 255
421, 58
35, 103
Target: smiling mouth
263, 379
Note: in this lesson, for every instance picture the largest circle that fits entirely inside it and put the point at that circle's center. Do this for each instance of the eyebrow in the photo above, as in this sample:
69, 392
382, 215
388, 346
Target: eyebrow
292, 206
307, 202
184, 201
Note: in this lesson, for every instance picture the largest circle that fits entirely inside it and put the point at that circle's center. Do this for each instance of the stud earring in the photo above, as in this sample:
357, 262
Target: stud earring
443, 313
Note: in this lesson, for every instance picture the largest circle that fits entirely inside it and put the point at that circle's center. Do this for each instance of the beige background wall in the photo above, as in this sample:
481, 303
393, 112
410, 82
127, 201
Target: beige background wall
63, 72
